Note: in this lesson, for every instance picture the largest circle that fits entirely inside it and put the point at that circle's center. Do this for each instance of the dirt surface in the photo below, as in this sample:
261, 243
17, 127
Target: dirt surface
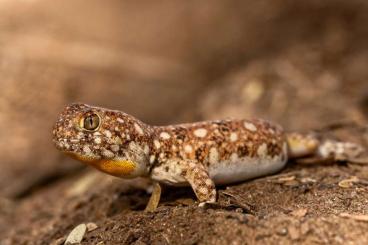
303, 65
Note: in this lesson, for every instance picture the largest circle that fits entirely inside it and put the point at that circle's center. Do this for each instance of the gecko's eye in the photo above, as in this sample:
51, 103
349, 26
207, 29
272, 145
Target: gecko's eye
90, 122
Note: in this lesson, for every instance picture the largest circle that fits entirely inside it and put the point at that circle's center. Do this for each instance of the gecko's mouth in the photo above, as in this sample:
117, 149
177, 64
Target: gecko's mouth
83, 158
117, 168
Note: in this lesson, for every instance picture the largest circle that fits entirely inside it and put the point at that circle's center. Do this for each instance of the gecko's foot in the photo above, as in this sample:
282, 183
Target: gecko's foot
340, 151
206, 204
154, 199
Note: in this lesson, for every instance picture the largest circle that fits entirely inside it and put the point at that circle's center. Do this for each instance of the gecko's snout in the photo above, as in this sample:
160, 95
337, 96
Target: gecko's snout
65, 134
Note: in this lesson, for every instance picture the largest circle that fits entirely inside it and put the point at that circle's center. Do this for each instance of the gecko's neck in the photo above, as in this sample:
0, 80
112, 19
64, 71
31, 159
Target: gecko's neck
136, 155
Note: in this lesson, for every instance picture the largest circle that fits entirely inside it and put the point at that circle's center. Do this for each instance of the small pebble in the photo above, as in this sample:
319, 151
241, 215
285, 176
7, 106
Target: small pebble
282, 232
308, 180
359, 217
59, 241
91, 226
300, 212
347, 183
76, 235
286, 179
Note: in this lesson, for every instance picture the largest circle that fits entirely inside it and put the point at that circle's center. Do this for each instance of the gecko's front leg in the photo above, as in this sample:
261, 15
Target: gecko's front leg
200, 181
154, 199
185, 171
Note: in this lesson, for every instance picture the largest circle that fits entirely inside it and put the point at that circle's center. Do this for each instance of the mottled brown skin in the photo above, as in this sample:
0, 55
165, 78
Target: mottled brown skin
218, 134
197, 153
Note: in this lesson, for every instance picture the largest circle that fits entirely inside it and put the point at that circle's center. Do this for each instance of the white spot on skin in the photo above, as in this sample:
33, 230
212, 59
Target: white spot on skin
201, 132
60, 144
208, 182
107, 133
74, 141
262, 150
169, 173
114, 148
213, 156
165, 135
97, 133
157, 144
203, 190
234, 157
233, 137
117, 141
120, 120
146, 149
138, 129
108, 154
152, 159
97, 140
66, 145
86, 149
137, 152
188, 149
250, 126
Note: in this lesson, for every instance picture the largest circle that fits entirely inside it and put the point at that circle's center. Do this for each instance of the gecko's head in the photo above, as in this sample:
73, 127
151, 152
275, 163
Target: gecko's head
109, 140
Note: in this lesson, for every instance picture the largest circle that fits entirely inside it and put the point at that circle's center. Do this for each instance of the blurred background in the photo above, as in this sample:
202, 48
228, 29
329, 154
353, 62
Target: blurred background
303, 64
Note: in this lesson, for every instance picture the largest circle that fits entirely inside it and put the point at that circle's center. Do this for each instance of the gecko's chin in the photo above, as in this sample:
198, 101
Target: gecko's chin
82, 158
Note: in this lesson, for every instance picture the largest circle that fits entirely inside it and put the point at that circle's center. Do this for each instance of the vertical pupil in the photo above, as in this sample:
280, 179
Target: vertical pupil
90, 121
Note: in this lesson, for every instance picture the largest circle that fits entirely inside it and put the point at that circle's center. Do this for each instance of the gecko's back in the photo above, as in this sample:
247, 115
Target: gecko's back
230, 150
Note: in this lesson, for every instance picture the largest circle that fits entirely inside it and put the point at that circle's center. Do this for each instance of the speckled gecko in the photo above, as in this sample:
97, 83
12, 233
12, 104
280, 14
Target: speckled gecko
200, 154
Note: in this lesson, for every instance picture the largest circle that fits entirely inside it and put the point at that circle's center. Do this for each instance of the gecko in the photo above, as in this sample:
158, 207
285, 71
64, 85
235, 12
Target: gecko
201, 154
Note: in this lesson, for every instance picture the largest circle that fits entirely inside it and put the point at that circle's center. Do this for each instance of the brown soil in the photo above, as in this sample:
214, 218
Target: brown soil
303, 65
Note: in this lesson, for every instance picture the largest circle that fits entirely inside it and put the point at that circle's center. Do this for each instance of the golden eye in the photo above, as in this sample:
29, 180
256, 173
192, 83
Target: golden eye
91, 122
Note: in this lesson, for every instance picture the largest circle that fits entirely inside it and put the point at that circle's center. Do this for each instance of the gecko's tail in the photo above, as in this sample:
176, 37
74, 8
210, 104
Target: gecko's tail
302, 145
340, 151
